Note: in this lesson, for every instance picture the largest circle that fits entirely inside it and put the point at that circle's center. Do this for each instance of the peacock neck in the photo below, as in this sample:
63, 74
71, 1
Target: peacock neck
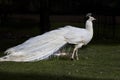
89, 26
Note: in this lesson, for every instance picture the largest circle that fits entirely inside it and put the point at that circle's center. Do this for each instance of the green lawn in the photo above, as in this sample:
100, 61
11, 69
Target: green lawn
97, 62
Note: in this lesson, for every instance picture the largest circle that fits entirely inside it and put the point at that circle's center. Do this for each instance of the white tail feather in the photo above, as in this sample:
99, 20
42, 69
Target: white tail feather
37, 48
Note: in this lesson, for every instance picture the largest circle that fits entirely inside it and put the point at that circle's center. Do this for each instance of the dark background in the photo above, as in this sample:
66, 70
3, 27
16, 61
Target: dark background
22, 19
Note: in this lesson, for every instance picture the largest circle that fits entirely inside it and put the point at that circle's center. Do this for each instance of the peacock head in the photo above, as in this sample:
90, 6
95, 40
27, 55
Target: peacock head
89, 16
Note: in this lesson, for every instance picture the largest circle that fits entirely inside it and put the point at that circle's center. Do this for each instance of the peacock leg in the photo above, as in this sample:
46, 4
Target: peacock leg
73, 53
77, 47
77, 58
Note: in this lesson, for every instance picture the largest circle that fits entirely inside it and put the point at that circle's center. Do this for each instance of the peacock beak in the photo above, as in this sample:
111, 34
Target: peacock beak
94, 19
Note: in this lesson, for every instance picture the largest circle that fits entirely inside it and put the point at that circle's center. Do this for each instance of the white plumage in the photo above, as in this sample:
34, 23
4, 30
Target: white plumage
42, 46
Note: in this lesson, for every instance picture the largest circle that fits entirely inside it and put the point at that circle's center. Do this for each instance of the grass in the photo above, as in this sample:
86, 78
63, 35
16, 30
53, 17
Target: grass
97, 62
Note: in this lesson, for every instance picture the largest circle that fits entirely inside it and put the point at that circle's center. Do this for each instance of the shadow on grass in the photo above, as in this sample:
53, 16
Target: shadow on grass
22, 76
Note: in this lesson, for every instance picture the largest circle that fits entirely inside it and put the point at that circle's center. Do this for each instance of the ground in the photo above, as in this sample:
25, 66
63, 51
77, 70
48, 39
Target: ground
97, 62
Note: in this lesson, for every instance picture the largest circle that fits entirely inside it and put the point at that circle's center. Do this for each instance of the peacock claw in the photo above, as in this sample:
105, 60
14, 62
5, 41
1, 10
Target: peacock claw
72, 59
77, 59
